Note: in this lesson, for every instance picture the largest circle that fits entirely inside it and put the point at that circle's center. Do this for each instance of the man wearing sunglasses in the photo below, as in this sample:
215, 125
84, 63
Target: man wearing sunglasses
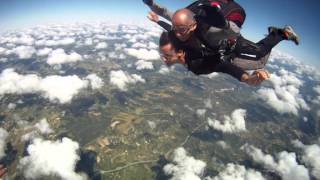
224, 38
171, 53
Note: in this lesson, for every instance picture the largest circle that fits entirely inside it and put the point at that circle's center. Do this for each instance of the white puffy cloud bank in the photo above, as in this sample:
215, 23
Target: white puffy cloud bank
237, 172
122, 79
143, 53
185, 167
144, 65
55, 88
231, 124
37, 130
51, 158
59, 56
285, 95
285, 164
311, 156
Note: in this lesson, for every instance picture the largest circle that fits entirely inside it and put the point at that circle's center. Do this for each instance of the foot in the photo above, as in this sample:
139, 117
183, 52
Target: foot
291, 35
287, 32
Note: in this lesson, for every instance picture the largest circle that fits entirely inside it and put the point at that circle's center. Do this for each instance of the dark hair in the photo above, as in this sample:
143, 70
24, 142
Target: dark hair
164, 39
169, 37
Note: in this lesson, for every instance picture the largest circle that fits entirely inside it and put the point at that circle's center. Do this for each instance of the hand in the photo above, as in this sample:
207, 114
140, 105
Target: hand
3, 171
256, 78
148, 2
262, 74
153, 17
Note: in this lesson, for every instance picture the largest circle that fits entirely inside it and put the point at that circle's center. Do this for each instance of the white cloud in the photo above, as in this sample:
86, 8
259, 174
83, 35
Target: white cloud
316, 100
184, 167
139, 45
152, 45
95, 81
88, 42
164, 70
48, 158
102, 45
3, 51
311, 156
24, 52
234, 124
223, 144
237, 172
23, 40
317, 89
44, 51
62, 88
119, 47
201, 112
285, 97
286, 166
143, 54
142, 65
59, 42
58, 56
43, 126
35, 131
55, 88
121, 79
3, 136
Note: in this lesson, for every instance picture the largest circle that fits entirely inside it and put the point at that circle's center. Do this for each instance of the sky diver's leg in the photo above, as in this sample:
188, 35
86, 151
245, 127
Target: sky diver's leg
249, 50
252, 56
247, 64
161, 11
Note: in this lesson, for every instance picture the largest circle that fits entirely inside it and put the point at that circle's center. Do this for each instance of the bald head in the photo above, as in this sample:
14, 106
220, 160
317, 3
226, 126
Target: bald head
183, 17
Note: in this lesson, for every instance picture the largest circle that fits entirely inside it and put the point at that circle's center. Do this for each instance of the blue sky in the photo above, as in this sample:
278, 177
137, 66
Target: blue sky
260, 14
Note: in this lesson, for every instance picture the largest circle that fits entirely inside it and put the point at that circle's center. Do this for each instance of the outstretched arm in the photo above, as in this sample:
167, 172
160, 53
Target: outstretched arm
160, 10
256, 78
155, 18
253, 80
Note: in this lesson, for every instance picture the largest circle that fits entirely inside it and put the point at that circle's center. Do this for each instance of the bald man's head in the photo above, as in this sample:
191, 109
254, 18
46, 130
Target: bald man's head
184, 24
183, 17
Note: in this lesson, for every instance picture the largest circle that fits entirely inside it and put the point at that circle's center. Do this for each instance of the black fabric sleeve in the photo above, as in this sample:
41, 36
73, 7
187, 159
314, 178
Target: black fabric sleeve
230, 69
165, 25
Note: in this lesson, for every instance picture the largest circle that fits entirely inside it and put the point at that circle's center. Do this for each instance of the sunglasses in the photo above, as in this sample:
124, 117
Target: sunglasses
183, 29
168, 54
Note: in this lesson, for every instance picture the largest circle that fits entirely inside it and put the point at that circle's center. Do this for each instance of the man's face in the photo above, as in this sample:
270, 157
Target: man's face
184, 24
183, 31
169, 54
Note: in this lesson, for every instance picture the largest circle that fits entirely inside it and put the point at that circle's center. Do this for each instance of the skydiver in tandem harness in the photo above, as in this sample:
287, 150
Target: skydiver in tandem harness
205, 37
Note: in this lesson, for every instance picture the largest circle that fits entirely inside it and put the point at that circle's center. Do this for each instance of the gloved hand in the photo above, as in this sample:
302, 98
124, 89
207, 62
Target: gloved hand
148, 2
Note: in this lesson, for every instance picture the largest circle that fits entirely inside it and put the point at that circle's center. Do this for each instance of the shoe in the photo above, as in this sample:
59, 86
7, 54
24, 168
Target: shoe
287, 32
291, 35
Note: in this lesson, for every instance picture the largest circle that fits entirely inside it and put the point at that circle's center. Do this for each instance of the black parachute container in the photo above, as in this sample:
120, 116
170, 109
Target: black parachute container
231, 10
